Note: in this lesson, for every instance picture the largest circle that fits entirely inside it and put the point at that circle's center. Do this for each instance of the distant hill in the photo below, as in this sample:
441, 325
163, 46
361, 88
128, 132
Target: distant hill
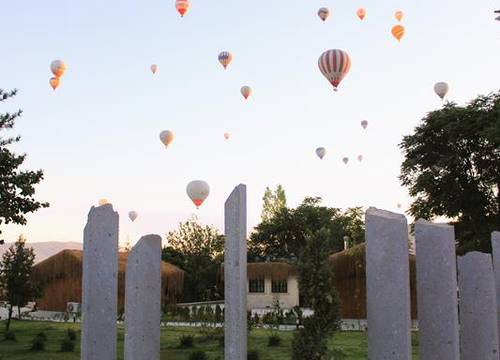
44, 250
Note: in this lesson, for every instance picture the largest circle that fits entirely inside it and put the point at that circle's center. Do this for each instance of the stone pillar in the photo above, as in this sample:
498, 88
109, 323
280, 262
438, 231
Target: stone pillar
143, 300
438, 337
388, 286
235, 275
100, 285
495, 244
478, 308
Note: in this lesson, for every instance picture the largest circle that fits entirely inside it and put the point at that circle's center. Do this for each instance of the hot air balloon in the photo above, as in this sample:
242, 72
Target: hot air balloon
334, 65
398, 15
182, 6
54, 82
441, 89
246, 91
323, 13
225, 58
132, 215
361, 13
154, 68
166, 137
398, 31
198, 191
364, 124
321, 152
360, 158
103, 202
398, 205
226, 135
58, 67
345, 160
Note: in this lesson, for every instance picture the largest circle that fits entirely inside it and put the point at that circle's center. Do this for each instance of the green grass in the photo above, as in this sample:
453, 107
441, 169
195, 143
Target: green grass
351, 344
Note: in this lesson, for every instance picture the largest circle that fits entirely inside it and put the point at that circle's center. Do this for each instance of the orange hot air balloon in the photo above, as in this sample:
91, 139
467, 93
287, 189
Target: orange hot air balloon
54, 82
182, 6
398, 31
58, 68
361, 13
399, 15
246, 91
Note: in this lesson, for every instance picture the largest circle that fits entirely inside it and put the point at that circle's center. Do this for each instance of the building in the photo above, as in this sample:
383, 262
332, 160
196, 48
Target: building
60, 277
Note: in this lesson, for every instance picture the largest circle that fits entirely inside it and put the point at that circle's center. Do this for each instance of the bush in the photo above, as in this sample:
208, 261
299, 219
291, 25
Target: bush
67, 345
274, 340
38, 344
253, 355
198, 355
72, 334
186, 341
42, 336
10, 335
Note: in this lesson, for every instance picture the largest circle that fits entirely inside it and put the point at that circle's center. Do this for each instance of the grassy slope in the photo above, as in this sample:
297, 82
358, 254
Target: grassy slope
352, 344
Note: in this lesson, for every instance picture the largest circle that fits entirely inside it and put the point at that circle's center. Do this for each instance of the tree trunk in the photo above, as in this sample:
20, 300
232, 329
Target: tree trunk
18, 312
8, 319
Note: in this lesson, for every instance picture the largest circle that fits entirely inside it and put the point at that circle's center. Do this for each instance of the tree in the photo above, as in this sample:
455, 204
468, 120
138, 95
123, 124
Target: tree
16, 282
274, 201
198, 250
16, 186
316, 285
452, 169
283, 235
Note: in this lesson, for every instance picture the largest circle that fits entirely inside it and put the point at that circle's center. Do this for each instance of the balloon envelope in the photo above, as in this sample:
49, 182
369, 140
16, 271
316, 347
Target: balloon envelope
226, 135
154, 68
360, 158
398, 15
321, 152
54, 82
323, 13
246, 91
398, 31
132, 215
58, 67
334, 65
441, 89
364, 124
225, 58
361, 12
345, 160
166, 137
198, 191
182, 6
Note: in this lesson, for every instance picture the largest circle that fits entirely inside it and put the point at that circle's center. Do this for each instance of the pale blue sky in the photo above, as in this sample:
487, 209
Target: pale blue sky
97, 136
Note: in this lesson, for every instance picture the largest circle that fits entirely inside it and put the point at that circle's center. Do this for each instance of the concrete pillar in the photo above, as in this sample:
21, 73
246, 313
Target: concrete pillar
438, 337
100, 285
235, 275
478, 307
143, 300
388, 286
495, 244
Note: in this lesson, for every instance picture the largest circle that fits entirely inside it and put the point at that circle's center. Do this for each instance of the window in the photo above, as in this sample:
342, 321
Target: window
256, 285
279, 286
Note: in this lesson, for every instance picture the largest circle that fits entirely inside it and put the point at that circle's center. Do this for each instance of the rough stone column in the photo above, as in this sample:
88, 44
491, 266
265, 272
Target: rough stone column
437, 292
495, 244
388, 286
235, 275
143, 300
100, 285
478, 307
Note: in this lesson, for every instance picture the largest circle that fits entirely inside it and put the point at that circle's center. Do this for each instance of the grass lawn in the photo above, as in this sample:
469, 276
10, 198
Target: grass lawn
351, 344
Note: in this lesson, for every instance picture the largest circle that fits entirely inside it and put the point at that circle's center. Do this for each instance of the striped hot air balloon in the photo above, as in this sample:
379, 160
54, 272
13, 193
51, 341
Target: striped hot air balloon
225, 58
182, 6
334, 65
398, 31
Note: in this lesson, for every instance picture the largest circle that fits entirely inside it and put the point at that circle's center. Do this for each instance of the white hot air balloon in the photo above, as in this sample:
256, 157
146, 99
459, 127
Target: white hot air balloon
58, 68
198, 191
323, 13
364, 124
166, 137
345, 160
321, 152
132, 215
360, 158
154, 68
441, 89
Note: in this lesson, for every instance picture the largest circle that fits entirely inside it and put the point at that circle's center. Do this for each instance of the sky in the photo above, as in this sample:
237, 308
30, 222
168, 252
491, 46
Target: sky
97, 135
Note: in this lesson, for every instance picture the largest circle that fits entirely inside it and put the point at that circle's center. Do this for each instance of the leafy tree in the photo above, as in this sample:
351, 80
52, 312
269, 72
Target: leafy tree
283, 236
452, 169
198, 250
16, 186
316, 285
274, 201
16, 283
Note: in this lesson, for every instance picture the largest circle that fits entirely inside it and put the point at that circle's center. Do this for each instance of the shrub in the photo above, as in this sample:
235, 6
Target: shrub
67, 345
253, 355
10, 335
198, 355
42, 336
274, 340
38, 344
72, 334
186, 341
